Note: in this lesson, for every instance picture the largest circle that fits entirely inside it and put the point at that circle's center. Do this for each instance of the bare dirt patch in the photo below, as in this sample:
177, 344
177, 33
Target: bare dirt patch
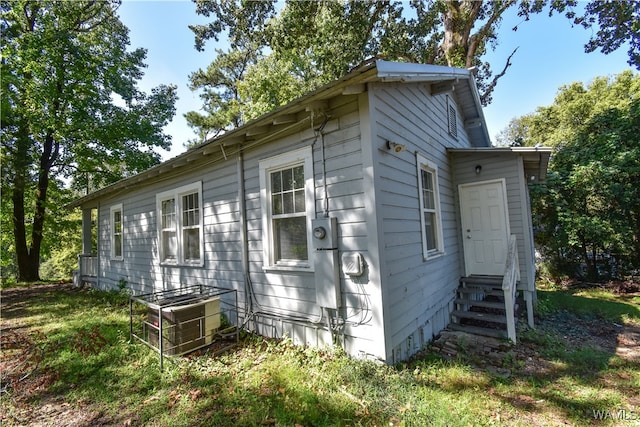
574, 331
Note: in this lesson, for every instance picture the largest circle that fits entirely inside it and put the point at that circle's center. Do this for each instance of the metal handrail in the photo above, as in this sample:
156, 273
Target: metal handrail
509, 286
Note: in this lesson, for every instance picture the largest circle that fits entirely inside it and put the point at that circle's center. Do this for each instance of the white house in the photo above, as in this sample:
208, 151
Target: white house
371, 213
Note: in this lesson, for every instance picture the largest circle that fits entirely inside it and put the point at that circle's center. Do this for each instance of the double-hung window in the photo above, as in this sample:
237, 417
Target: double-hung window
117, 235
180, 230
430, 216
286, 194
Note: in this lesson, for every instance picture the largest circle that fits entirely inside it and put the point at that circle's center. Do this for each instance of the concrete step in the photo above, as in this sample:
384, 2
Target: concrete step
477, 330
485, 304
494, 318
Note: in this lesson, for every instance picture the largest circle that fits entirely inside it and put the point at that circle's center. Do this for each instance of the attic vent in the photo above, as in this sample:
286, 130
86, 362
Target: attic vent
452, 121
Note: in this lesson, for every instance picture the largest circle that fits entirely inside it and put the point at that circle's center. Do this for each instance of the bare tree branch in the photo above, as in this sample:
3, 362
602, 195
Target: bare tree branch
486, 96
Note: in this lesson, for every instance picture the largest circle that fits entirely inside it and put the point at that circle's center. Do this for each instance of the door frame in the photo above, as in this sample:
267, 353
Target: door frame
505, 207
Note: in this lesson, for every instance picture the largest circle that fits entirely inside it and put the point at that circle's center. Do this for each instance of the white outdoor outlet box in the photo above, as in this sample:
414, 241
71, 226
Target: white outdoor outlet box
353, 263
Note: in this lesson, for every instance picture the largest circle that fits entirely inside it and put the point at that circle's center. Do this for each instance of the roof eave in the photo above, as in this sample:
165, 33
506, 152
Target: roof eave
534, 158
370, 71
359, 75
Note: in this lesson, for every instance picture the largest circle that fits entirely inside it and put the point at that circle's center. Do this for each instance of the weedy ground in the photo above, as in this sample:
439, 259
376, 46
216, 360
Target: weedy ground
66, 360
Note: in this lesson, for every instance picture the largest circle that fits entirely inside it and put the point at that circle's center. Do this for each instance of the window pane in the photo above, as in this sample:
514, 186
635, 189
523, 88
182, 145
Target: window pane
427, 197
168, 213
298, 177
427, 190
290, 238
117, 245
191, 243
427, 180
287, 191
117, 221
430, 230
190, 210
299, 201
169, 245
288, 202
287, 180
276, 182
276, 204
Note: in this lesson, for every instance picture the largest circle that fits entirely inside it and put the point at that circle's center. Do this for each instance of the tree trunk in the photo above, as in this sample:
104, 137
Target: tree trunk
635, 225
28, 258
27, 272
48, 155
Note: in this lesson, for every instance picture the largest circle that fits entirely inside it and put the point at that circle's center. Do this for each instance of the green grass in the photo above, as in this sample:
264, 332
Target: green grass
591, 302
78, 347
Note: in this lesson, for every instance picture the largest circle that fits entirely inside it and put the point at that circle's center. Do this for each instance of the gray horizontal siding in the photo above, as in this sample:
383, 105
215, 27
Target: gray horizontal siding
510, 168
418, 290
141, 267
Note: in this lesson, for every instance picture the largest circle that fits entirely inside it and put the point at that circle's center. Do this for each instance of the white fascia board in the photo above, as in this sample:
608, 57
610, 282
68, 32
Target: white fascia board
403, 71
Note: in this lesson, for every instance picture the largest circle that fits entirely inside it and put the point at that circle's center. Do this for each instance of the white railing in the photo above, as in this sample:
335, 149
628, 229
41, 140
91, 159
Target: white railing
509, 286
87, 266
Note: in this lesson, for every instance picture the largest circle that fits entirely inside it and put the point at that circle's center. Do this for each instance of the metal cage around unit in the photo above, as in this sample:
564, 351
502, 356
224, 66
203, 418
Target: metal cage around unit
178, 321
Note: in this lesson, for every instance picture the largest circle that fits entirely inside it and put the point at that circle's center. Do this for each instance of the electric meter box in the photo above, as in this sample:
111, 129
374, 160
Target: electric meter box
326, 267
325, 233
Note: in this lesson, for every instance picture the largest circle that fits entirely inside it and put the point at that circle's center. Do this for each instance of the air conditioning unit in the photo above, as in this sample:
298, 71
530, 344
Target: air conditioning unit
186, 326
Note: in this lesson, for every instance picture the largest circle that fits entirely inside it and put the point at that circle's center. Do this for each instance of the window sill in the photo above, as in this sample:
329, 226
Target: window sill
117, 258
433, 256
175, 264
287, 268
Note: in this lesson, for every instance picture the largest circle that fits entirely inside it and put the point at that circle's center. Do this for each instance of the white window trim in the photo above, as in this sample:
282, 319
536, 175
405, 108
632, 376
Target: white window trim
425, 164
176, 194
112, 211
302, 156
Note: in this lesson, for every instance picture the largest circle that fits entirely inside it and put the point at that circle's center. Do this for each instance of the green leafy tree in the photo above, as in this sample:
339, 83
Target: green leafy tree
220, 92
70, 109
590, 204
222, 103
311, 43
618, 22
306, 44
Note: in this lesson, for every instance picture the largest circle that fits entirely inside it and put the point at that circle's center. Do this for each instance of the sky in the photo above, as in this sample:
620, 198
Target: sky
550, 55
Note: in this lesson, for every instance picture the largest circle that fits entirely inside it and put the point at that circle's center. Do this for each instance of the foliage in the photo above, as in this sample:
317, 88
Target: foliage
70, 110
220, 92
281, 50
74, 345
618, 22
588, 211
62, 242
298, 46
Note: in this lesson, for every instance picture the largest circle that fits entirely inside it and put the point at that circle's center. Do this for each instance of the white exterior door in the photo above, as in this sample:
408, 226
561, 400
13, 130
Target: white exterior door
485, 226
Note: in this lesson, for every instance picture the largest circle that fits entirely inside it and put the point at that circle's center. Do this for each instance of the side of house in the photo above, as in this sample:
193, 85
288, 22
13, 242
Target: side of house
211, 221
336, 218
416, 208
